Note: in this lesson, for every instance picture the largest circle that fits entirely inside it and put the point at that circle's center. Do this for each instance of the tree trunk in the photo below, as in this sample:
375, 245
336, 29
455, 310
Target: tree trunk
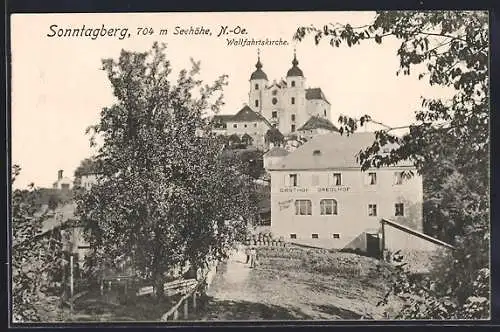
158, 287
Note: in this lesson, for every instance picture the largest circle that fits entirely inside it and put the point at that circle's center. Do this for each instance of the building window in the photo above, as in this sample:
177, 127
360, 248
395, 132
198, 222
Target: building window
337, 179
372, 178
324, 112
399, 209
64, 186
293, 236
303, 207
315, 236
292, 180
372, 210
275, 92
398, 178
255, 125
315, 180
235, 125
275, 101
256, 103
292, 128
293, 100
336, 236
245, 125
328, 207
256, 87
293, 84
293, 117
274, 114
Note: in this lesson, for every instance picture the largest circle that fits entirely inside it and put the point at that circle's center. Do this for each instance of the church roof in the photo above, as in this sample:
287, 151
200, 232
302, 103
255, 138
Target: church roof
316, 122
246, 114
258, 74
315, 94
295, 70
329, 151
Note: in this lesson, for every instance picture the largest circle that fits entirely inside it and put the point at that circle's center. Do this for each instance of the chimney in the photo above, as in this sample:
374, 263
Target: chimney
59, 174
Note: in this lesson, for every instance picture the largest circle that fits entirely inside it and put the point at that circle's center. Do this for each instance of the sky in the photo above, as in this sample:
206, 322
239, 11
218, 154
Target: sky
58, 89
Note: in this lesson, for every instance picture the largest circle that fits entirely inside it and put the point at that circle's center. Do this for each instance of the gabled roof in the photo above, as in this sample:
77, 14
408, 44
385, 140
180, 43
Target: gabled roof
277, 152
246, 114
60, 216
222, 118
315, 94
316, 122
329, 151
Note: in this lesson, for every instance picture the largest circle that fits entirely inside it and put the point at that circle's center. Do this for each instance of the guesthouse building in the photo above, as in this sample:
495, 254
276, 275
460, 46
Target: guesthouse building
320, 196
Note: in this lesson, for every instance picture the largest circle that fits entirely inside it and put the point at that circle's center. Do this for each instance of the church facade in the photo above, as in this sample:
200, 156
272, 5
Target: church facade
285, 104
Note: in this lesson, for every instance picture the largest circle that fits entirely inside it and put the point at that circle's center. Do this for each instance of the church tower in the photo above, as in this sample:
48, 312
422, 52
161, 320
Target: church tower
295, 97
295, 77
258, 82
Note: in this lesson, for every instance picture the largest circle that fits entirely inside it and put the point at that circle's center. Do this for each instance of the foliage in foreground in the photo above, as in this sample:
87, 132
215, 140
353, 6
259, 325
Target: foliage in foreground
35, 259
164, 197
448, 143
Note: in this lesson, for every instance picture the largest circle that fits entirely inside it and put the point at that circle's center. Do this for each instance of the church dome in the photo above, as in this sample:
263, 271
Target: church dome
295, 70
258, 74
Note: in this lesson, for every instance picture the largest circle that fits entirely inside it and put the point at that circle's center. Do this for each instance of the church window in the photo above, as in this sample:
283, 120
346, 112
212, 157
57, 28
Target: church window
293, 100
256, 103
293, 128
293, 84
256, 87
274, 114
293, 117
275, 100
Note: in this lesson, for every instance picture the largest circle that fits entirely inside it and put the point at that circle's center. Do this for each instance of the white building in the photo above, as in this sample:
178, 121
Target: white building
285, 104
274, 156
88, 180
320, 196
63, 182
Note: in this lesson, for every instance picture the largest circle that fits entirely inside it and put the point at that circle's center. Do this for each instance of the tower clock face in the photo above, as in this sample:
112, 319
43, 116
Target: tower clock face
274, 101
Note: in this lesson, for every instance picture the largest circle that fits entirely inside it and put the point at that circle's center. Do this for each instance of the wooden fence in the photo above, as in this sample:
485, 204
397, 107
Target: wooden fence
191, 292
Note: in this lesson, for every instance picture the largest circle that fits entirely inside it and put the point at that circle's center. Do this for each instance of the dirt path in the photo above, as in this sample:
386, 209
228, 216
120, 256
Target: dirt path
241, 293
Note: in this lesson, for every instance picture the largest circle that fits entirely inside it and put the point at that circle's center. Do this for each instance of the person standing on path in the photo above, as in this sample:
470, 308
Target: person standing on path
253, 255
247, 253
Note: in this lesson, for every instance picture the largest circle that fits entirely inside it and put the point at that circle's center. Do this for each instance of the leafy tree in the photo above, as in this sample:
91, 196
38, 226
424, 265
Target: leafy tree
35, 258
165, 197
448, 142
275, 137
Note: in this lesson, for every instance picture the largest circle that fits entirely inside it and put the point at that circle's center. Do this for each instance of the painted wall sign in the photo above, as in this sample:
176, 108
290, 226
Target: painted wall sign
285, 204
334, 189
294, 190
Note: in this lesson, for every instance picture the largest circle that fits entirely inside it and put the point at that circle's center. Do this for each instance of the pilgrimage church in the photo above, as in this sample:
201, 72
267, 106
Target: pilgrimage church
285, 104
